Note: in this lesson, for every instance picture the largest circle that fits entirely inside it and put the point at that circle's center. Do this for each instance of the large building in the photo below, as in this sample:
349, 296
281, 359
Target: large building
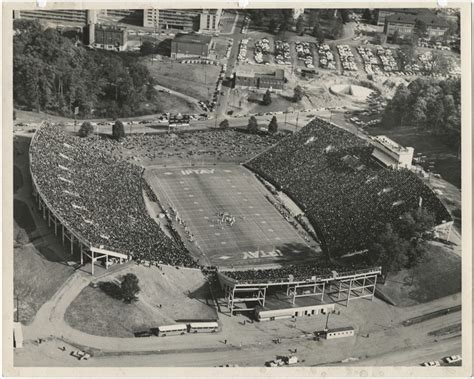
260, 80
182, 19
404, 25
105, 37
79, 16
382, 14
191, 46
391, 154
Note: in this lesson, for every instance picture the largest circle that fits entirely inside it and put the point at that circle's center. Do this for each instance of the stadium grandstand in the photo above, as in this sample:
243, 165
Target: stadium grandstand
86, 189
347, 196
82, 186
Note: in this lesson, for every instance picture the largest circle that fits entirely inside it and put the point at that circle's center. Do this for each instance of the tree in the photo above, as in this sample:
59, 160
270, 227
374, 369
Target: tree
298, 94
86, 129
389, 251
129, 287
396, 36
273, 125
118, 130
440, 63
336, 28
284, 26
272, 25
252, 126
415, 224
224, 124
420, 28
300, 25
418, 112
407, 53
267, 98
147, 48
318, 34
345, 16
367, 16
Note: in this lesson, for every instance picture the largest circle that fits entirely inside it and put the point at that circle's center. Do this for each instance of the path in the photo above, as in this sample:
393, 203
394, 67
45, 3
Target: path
191, 99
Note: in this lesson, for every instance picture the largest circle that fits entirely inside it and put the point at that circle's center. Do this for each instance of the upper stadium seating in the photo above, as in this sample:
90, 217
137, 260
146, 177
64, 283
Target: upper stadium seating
345, 194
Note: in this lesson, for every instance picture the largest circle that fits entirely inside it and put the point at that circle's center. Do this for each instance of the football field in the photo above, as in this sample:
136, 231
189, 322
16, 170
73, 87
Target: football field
228, 216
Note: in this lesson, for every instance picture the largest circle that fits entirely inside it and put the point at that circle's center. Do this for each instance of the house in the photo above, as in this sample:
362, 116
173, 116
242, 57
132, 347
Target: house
260, 80
191, 45
107, 37
404, 25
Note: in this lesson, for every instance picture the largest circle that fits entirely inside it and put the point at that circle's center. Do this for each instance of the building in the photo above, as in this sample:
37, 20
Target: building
260, 80
292, 312
390, 154
339, 333
182, 19
191, 45
77, 16
382, 14
404, 25
105, 37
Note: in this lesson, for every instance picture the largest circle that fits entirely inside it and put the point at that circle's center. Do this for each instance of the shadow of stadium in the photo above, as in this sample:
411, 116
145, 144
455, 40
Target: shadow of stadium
23, 216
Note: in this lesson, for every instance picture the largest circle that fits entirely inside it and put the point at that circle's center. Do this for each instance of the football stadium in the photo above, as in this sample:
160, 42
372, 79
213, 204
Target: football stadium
212, 200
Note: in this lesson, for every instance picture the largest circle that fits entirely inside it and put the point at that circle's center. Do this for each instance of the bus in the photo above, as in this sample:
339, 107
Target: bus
170, 330
203, 327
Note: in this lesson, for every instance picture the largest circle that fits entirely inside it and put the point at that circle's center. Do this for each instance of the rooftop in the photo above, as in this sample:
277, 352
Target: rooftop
390, 144
277, 74
193, 38
428, 18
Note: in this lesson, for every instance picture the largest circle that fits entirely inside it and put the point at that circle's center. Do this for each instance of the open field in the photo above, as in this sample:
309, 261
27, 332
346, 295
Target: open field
182, 293
166, 102
200, 195
36, 279
438, 275
195, 80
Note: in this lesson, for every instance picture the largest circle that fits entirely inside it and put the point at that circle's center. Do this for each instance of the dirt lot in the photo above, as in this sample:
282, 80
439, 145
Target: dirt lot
166, 102
195, 80
166, 296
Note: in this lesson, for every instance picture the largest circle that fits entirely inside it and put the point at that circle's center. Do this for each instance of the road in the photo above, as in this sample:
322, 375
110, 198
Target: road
379, 334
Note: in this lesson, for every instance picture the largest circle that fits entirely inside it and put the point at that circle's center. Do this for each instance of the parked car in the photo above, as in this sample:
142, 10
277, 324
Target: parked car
431, 364
453, 359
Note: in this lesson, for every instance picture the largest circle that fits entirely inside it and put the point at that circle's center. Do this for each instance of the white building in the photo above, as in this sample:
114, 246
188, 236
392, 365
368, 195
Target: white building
391, 154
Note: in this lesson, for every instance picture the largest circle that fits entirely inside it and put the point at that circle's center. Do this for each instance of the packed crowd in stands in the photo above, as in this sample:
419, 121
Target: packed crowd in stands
347, 205
232, 145
320, 269
99, 196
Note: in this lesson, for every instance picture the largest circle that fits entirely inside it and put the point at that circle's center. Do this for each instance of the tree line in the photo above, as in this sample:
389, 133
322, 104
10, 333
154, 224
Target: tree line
320, 23
431, 104
55, 74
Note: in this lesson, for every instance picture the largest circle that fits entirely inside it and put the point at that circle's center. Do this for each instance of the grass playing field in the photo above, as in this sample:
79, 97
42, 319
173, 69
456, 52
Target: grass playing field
259, 236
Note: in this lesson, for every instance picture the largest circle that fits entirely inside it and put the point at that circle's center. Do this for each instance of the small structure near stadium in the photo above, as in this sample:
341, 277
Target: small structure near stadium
391, 154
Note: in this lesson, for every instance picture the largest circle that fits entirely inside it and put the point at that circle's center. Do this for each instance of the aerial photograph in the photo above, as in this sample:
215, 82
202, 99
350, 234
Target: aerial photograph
237, 188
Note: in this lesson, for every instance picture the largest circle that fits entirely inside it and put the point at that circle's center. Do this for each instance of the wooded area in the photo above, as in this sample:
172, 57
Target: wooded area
56, 74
